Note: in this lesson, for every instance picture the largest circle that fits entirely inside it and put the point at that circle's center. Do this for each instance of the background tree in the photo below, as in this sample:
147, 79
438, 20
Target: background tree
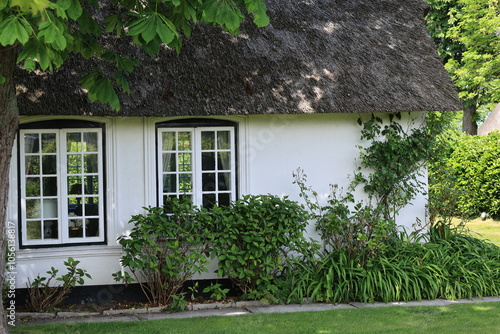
467, 33
43, 34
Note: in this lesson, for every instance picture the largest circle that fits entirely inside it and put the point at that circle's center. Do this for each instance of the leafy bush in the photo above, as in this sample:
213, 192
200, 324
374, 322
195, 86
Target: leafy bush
164, 249
441, 191
475, 166
44, 296
255, 238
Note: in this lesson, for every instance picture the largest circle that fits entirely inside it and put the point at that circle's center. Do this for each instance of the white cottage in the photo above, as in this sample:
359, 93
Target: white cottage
231, 115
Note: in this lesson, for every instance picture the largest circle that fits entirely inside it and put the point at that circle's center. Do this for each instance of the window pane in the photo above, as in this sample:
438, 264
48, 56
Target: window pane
184, 141
49, 164
34, 230
50, 229
75, 186
33, 208
184, 162
169, 183
208, 161
224, 199
32, 187
208, 180
76, 231
92, 227
90, 142
185, 183
169, 162
74, 206
91, 184
223, 142
90, 161
92, 206
74, 163
208, 200
50, 208
186, 198
49, 186
224, 181
207, 140
167, 202
168, 198
49, 143
32, 165
31, 143
168, 141
79, 209
74, 142
224, 161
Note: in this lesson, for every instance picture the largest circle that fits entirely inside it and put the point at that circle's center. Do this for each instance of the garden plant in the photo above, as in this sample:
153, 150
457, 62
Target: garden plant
255, 238
164, 249
44, 295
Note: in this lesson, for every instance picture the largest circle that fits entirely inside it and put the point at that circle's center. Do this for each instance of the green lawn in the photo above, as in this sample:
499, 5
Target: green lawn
459, 318
488, 229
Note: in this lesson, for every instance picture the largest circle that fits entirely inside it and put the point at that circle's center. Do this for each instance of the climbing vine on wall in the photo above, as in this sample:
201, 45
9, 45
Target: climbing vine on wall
390, 171
394, 161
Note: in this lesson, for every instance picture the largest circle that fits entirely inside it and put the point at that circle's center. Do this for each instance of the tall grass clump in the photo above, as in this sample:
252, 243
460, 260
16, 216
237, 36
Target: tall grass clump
453, 266
464, 176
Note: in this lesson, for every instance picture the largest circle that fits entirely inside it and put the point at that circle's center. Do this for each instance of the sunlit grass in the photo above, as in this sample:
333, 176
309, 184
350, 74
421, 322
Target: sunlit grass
488, 229
457, 318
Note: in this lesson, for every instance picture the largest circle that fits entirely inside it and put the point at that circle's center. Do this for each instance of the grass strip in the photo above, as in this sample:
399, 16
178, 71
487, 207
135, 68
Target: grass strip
457, 318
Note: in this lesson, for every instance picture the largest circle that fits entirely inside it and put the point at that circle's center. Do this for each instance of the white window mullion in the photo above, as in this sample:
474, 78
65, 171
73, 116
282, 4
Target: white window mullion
61, 185
64, 187
197, 181
233, 165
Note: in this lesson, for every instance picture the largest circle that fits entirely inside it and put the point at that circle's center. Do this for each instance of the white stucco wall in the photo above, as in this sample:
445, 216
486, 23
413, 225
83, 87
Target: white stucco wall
270, 147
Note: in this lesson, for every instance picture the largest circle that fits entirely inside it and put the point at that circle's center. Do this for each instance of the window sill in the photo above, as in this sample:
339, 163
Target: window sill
70, 251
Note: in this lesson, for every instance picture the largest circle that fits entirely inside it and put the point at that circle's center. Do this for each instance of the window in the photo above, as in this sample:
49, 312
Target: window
61, 183
197, 160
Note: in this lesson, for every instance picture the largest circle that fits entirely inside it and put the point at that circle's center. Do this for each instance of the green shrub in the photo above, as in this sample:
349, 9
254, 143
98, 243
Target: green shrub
475, 162
44, 295
443, 192
464, 178
255, 238
164, 249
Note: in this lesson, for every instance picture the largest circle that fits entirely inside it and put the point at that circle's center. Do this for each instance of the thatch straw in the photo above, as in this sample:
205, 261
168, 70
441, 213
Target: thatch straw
316, 56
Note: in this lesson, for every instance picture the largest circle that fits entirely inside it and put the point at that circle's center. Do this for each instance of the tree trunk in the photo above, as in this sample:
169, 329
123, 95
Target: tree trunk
469, 124
9, 120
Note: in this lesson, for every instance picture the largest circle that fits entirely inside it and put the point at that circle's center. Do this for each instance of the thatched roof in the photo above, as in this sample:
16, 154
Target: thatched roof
316, 56
492, 122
